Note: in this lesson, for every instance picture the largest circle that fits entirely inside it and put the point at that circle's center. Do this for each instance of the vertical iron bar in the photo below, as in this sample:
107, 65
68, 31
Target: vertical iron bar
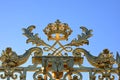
24, 73
8, 78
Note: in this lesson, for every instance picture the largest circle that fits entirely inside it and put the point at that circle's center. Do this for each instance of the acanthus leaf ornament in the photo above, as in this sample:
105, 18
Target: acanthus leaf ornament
81, 39
33, 37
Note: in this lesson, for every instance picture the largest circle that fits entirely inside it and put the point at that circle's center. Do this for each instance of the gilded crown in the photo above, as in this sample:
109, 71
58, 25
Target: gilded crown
57, 31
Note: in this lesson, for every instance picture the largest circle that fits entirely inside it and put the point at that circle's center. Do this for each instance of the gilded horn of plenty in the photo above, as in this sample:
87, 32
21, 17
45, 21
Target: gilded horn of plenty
10, 58
104, 60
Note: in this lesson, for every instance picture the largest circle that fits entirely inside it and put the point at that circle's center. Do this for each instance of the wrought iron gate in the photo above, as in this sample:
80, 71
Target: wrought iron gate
63, 61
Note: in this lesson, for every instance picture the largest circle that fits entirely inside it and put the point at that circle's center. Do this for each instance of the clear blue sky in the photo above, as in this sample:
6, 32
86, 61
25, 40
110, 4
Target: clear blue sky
103, 16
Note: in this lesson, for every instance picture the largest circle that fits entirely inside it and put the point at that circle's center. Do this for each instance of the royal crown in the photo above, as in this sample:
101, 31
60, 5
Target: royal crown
57, 31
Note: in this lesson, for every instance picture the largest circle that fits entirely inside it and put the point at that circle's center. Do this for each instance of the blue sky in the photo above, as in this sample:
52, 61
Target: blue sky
103, 16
